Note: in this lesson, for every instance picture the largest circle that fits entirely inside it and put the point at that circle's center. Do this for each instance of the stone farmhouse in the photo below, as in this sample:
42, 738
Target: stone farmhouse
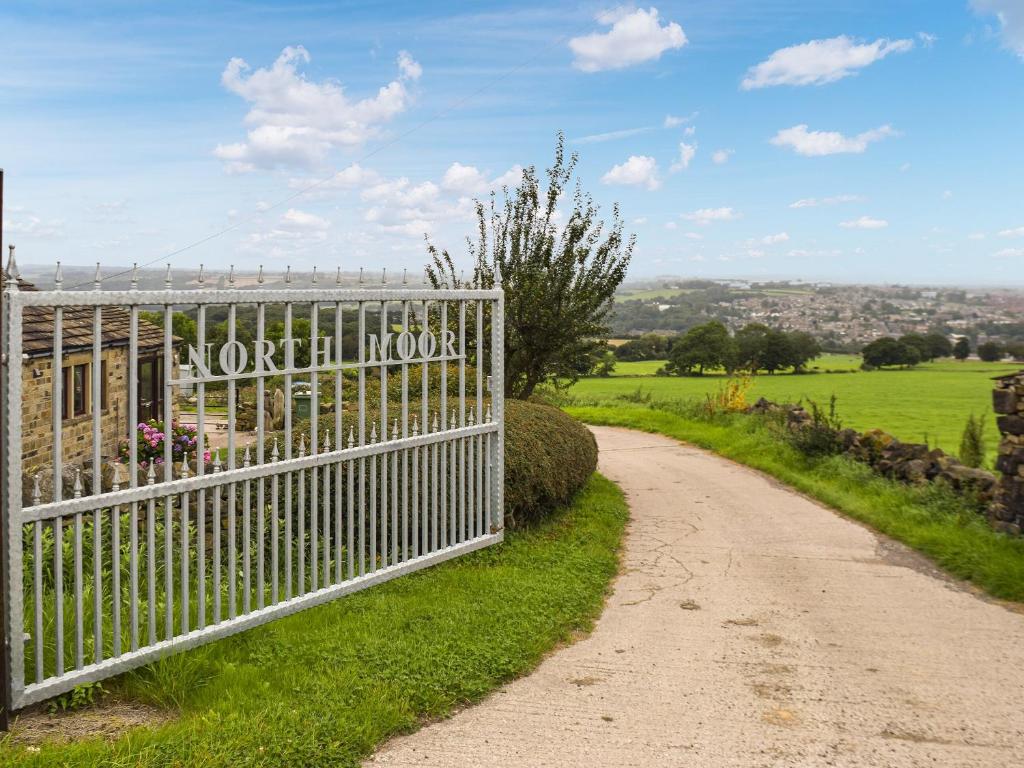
79, 400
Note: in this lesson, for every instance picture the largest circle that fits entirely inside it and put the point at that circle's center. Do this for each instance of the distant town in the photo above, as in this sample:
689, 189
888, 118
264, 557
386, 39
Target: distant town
841, 317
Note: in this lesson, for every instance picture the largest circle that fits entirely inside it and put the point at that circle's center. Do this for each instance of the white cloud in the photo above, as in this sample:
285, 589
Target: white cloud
34, 227
465, 179
640, 220
408, 66
1009, 253
295, 232
820, 61
820, 143
814, 202
707, 215
947, 195
721, 156
690, 130
509, 178
694, 235
927, 39
674, 121
295, 219
595, 138
686, 154
1010, 14
637, 171
780, 237
352, 176
293, 122
635, 36
905, 167
1014, 232
864, 222
976, 236
671, 225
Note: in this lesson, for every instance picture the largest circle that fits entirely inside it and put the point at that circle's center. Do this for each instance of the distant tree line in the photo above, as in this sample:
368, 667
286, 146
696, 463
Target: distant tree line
913, 348
754, 348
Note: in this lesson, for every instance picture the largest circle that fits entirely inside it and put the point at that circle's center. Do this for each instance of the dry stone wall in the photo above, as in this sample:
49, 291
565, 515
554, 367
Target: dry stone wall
1008, 403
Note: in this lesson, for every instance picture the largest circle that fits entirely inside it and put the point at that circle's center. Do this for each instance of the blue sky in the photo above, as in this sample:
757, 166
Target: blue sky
848, 141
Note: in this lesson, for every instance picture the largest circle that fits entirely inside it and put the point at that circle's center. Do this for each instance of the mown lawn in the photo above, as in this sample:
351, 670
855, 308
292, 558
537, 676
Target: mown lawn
930, 519
325, 686
928, 403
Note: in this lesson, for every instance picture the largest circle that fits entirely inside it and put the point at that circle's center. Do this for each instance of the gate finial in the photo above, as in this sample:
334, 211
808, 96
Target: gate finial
12, 269
202, 277
274, 453
37, 495
394, 430
373, 433
288, 275
97, 281
384, 276
135, 277
78, 483
415, 426
115, 482
314, 275
337, 280
360, 277
327, 442
405, 277
246, 457
302, 445
351, 438
231, 275
184, 465
58, 278
167, 278
259, 275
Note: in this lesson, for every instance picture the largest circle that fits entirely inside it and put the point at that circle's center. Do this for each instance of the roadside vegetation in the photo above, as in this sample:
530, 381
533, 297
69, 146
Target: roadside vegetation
325, 686
932, 519
929, 403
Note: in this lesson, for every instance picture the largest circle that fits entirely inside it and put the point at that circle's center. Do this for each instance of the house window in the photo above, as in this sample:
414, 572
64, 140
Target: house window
76, 390
150, 388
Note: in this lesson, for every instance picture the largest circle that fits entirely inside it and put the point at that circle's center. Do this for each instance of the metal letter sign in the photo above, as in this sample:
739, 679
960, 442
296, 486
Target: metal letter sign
125, 539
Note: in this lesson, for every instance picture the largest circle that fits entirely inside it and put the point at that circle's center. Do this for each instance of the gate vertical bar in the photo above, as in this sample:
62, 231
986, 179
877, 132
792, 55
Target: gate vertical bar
97, 477
497, 470
10, 561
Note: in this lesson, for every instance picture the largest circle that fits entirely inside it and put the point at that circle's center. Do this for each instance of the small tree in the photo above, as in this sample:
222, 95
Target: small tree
990, 352
972, 442
962, 348
604, 366
704, 346
559, 281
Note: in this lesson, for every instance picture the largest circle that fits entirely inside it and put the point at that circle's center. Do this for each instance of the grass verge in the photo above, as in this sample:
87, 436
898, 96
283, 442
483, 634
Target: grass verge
327, 685
930, 519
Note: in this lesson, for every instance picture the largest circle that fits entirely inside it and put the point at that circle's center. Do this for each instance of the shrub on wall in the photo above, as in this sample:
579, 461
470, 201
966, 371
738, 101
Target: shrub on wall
548, 457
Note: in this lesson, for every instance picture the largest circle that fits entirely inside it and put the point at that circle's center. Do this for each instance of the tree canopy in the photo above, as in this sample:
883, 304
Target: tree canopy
559, 280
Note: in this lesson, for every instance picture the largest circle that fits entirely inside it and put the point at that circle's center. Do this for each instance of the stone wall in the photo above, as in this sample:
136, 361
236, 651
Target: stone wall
1008, 403
76, 448
912, 463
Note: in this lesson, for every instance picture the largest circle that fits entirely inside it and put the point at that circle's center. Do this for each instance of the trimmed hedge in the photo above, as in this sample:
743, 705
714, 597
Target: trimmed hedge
549, 456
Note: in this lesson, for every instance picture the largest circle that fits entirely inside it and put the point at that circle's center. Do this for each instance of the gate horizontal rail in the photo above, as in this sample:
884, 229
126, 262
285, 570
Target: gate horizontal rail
104, 574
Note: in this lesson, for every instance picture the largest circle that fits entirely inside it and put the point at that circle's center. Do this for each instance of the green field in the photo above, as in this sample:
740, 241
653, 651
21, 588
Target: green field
930, 402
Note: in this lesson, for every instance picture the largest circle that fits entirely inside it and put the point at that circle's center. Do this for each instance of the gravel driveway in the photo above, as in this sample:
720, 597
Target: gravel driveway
753, 627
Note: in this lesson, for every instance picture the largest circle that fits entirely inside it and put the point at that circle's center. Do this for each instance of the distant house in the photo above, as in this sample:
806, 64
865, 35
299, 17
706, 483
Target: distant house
79, 400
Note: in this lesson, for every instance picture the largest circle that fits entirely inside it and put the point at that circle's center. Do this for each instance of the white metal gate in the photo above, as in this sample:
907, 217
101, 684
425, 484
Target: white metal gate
111, 563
